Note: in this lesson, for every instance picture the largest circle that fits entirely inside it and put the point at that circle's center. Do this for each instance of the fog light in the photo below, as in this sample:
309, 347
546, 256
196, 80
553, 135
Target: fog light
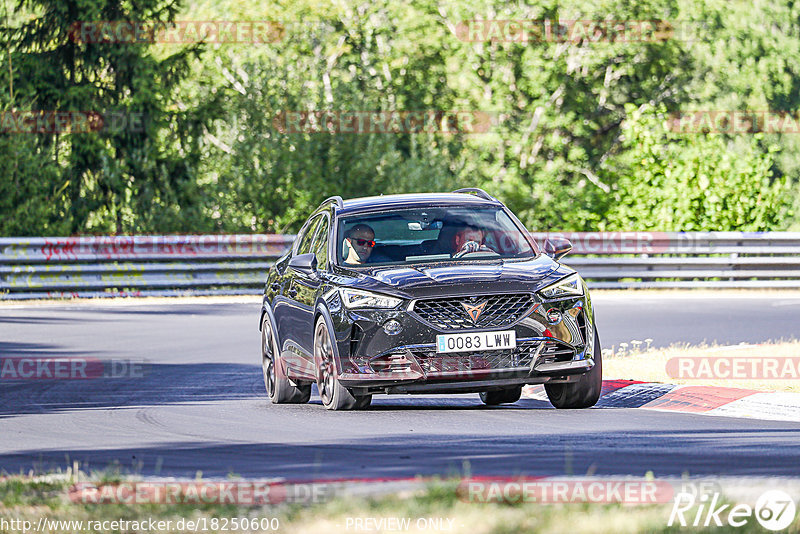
392, 327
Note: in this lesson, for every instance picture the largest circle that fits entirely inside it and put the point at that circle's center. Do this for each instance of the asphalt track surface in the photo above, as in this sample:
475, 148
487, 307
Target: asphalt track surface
200, 404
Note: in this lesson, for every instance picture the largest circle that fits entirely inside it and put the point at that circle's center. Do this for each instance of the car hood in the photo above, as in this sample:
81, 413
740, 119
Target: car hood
431, 280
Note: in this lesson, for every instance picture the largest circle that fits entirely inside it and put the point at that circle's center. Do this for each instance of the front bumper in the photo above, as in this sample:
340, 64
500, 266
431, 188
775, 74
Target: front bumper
373, 361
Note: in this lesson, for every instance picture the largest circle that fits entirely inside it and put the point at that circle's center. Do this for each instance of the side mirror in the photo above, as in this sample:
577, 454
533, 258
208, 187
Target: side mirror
557, 247
304, 263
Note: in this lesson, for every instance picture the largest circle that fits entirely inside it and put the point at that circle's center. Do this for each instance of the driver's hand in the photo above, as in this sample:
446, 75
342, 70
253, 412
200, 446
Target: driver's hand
466, 248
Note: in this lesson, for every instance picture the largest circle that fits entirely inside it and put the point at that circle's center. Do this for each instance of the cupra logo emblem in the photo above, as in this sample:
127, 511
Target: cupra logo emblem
474, 311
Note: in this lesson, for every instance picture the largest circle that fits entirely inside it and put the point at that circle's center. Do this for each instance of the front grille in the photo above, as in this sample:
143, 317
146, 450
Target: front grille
519, 358
497, 311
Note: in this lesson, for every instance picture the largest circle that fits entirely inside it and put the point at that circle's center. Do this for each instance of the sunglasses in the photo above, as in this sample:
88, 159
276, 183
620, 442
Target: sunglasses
362, 242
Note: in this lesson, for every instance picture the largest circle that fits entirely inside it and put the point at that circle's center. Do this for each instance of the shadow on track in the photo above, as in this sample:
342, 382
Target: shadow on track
726, 451
166, 384
160, 384
10, 349
234, 309
37, 320
397, 403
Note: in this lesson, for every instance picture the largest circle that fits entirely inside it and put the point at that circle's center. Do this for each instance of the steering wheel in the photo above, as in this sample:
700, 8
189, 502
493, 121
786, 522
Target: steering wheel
471, 247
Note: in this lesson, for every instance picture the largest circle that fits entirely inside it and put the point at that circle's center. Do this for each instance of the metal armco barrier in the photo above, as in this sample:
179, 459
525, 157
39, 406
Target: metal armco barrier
237, 264
137, 265
620, 260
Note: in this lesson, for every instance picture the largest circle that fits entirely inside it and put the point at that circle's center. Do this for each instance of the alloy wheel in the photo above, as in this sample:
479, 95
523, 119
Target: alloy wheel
322, 346
268, 358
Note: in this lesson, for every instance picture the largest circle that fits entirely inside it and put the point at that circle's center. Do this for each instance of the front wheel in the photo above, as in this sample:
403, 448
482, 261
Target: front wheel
333, 394
586, 391
279, 389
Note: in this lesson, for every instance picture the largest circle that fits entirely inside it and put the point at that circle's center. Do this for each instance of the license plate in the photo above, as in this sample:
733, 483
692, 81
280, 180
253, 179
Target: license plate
474, 341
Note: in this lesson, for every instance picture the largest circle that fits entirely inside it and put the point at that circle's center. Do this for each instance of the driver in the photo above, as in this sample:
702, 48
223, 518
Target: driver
469, 239
361, 241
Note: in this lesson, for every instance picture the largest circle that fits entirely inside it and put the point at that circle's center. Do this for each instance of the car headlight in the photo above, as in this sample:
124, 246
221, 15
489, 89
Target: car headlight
570, 286
355, 298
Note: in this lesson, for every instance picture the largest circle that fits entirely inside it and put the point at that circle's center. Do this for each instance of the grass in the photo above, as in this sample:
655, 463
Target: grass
652, 365
431, 507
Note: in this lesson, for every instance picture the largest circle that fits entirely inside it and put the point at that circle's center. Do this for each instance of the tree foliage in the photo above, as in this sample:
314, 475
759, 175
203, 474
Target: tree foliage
670, 182
139, 171
578, 140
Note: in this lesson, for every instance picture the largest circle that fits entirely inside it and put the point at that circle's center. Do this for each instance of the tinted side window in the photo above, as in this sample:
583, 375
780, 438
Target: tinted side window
321, 244
307, 237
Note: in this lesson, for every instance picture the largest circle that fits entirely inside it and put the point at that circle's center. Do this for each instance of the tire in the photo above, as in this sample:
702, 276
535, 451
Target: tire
502, 396
279, 389
333, 394
586, 391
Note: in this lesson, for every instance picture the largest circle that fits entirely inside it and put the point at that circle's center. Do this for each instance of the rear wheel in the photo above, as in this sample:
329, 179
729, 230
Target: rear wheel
333, 394
586, 391
279, 389
501, 396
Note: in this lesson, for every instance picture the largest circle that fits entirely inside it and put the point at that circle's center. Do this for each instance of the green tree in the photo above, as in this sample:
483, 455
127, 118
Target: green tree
670, 182
138, 174
349, 59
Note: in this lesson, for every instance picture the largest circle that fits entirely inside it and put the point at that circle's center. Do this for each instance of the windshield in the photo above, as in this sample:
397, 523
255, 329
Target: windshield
430, 234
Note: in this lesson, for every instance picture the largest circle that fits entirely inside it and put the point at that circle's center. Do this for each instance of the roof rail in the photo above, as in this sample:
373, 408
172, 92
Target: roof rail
476, 191
337, 199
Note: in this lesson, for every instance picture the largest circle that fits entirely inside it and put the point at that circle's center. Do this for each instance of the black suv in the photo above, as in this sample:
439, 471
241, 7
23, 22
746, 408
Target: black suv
426, 293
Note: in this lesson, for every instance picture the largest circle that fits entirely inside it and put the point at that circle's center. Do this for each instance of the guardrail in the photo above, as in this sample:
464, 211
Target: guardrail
136, 265
237, 264
636, 260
